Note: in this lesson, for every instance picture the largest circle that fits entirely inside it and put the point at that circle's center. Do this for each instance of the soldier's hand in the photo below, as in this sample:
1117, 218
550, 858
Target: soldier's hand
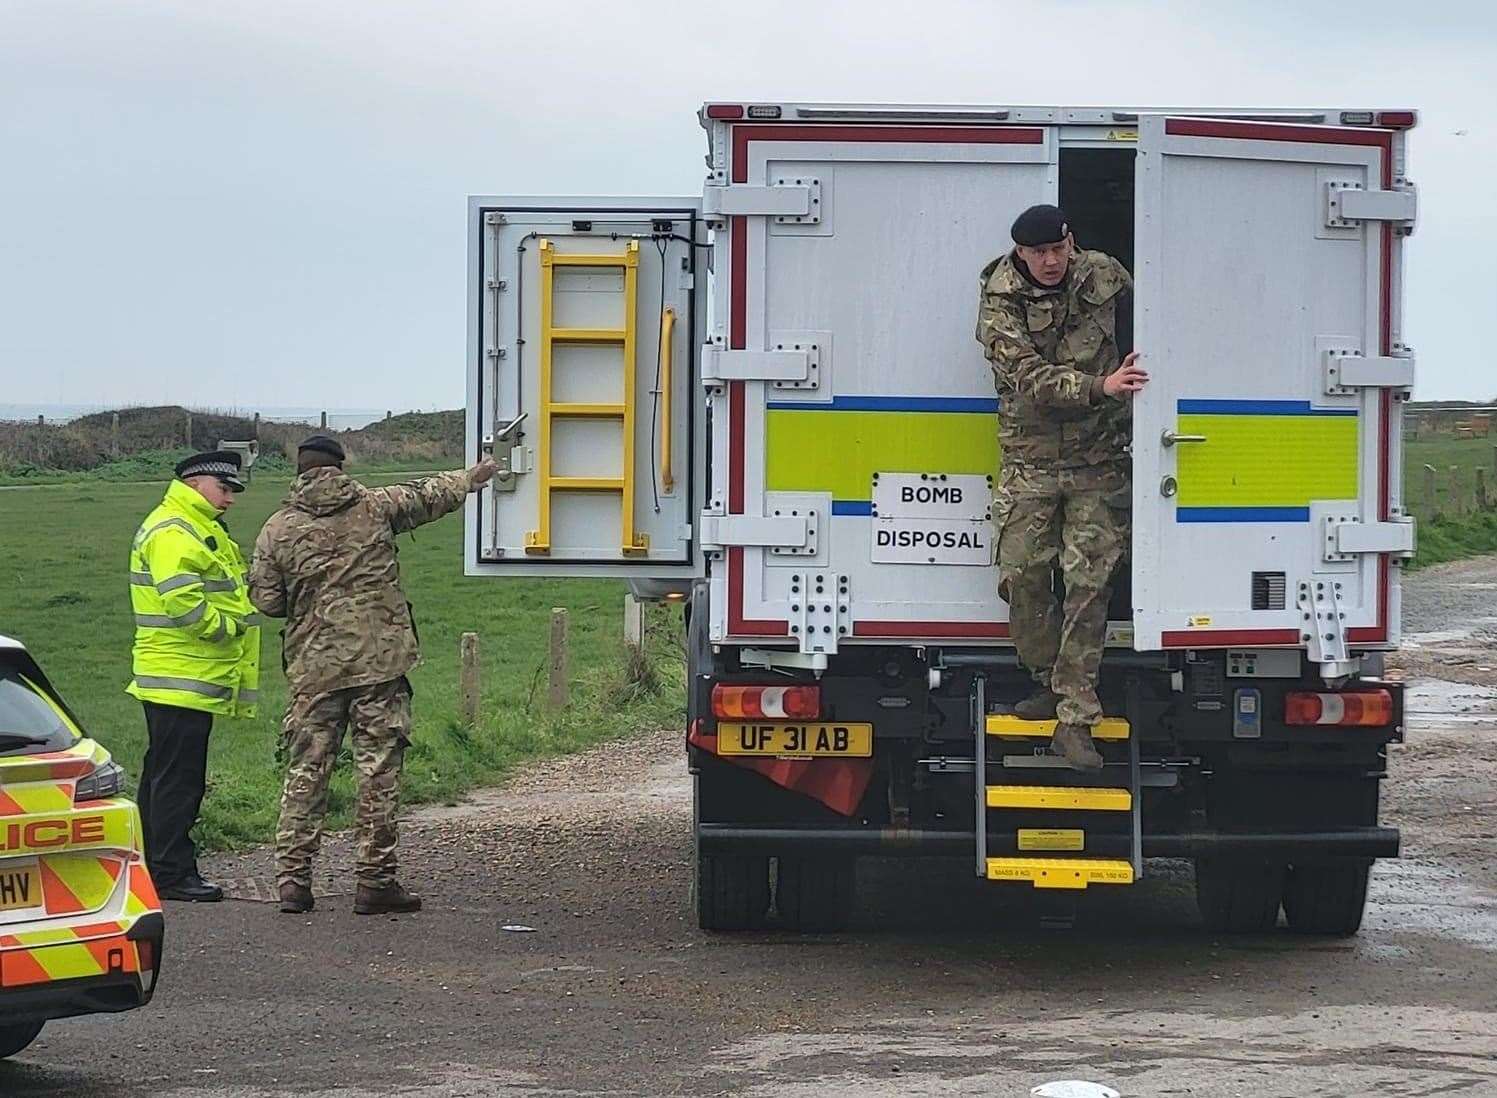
483, 472
1126, 379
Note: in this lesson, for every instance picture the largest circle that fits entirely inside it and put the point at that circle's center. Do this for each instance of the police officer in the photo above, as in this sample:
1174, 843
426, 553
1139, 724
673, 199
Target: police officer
1048, 322
326, 562
196, 656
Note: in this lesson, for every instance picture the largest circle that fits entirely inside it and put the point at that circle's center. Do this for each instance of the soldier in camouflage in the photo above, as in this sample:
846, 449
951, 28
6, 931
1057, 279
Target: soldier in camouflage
1048, 323
326, 562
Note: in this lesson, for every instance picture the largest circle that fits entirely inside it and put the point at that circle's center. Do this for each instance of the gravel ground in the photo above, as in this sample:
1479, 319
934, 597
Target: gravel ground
947, 987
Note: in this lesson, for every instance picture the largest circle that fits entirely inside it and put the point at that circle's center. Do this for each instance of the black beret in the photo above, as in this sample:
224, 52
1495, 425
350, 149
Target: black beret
1040, 225
223, 464
324, 444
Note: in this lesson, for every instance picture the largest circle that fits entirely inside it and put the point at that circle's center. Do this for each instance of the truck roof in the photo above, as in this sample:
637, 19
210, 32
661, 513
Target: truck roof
727, 111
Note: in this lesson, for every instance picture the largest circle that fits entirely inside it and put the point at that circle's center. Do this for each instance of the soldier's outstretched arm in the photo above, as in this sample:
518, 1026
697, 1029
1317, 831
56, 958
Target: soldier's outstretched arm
1004, 334
267, 583
418, 502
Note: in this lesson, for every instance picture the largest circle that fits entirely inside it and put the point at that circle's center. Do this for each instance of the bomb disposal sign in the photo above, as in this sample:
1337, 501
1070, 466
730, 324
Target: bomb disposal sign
932, 518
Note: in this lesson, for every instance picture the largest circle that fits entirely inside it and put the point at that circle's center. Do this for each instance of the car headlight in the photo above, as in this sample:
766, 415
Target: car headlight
100, 782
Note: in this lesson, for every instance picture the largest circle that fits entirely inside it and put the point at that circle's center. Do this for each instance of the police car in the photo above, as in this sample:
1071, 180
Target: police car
80, 923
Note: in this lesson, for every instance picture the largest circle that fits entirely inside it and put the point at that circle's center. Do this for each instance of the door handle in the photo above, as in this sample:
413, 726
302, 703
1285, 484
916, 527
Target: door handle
1168, 438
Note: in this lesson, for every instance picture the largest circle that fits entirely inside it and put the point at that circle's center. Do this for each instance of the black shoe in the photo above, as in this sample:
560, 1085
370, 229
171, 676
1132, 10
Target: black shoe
392, 899
1039, 706
296, 899
1074, 743
191, 889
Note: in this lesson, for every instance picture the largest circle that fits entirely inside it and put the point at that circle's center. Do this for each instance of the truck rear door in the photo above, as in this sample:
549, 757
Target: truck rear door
1266, 445
855, 417
584, 322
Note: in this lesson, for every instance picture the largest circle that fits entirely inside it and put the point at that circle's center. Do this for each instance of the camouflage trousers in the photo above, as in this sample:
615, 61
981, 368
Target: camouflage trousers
1079, 519
378, 718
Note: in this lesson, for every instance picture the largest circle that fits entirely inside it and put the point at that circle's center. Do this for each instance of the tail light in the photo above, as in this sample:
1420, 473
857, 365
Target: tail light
1364, 708
789, 702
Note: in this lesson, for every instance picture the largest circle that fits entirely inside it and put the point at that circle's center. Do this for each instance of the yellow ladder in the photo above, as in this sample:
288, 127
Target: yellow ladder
538, 541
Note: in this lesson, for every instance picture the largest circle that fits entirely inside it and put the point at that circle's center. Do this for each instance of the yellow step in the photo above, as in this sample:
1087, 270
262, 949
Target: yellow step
1059, 796
1006, 724
1061, 872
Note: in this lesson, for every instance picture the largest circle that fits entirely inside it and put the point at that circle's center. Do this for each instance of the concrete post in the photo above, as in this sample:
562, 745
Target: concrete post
634, 623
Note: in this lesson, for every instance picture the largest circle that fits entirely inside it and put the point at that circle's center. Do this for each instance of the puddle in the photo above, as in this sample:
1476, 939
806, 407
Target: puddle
1410, 894
1428, 701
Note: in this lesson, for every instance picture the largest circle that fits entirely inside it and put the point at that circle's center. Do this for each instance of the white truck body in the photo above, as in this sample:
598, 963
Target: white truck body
833, 365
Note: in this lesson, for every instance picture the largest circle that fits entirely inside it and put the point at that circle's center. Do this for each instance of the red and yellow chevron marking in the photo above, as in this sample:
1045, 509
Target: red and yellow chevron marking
35, 797
56, 766
42, 964
142, 896
75, 883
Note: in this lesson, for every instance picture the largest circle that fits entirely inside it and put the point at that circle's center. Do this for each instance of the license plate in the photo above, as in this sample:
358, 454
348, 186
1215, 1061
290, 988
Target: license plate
20, 887
812, 740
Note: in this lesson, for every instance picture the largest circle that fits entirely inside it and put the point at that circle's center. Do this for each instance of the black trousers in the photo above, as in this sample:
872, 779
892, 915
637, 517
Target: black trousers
172, 780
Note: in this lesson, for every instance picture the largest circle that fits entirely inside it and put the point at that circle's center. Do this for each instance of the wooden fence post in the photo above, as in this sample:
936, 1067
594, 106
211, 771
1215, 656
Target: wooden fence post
1431, 497
1481, 488
558, 690
471, 684
1457, 504
324, 421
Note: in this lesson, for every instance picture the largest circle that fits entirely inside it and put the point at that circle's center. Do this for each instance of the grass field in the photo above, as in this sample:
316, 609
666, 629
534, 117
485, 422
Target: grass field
1456, 532
63, 559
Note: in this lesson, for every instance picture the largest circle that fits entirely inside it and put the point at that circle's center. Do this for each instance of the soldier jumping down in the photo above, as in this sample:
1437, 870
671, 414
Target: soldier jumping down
1048, 323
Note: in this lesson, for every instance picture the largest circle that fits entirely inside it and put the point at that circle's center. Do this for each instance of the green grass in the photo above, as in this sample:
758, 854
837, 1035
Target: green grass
63, 559
1448, 526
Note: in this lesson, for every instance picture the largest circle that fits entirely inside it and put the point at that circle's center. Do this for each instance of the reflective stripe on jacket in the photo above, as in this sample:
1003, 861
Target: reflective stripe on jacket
197, 638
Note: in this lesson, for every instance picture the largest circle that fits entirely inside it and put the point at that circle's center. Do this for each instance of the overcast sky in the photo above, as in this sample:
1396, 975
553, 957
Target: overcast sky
262, 204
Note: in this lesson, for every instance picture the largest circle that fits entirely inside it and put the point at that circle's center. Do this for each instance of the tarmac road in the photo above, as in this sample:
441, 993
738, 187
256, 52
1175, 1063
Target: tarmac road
947, 987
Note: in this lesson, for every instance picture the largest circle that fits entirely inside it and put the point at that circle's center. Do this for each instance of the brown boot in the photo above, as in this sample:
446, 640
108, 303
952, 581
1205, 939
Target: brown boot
296, 899
1039, 706
1073, 742
392, 899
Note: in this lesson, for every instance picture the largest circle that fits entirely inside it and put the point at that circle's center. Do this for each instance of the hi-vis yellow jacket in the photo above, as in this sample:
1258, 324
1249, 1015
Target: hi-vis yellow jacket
197, 641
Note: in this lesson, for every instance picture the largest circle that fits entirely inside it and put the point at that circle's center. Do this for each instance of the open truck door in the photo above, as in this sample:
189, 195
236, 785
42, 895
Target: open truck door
1266, 509
584, 324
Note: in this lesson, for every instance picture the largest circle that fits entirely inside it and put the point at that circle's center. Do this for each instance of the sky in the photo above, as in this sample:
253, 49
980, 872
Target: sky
262, 204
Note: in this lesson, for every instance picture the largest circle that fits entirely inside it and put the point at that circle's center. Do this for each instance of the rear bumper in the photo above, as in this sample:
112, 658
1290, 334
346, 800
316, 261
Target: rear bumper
891, 842
103, 974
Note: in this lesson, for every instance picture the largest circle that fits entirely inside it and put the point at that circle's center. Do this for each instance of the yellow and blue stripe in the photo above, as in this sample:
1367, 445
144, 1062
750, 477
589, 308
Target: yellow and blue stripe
837, 446
1264, 460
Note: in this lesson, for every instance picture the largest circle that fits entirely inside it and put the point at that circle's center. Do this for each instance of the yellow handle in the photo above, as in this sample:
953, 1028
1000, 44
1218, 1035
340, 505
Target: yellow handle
667, 329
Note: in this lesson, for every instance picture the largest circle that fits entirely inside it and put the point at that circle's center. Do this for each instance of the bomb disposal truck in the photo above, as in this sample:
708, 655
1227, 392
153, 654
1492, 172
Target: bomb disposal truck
766, 401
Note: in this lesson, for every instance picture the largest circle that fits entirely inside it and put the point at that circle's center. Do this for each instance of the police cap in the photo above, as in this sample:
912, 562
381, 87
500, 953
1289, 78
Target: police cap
223, 464
1040, 225
323, 444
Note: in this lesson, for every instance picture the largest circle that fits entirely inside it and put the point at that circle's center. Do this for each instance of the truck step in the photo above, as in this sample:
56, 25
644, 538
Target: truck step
1012, 727
1106, 799
1061, 872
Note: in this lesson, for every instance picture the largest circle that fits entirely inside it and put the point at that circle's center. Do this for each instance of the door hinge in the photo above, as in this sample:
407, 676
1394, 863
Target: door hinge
720, 365
777, 531
1346, 203
1343, 372
1344, 538
787, 202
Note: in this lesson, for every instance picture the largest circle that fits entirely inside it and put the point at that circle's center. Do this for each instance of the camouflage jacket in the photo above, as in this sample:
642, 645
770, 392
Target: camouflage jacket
1050, 348
326, 562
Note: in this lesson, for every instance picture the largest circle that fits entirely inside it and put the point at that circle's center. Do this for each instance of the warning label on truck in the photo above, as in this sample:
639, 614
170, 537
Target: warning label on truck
932, 541
932, 518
